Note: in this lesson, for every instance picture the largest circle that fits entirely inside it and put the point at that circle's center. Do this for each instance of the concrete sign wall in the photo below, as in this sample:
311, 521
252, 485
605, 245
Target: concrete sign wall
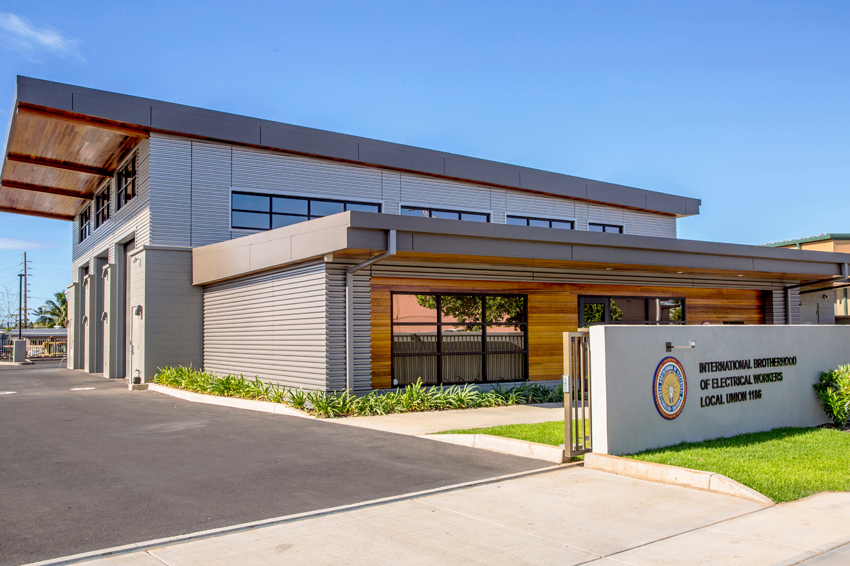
735, 379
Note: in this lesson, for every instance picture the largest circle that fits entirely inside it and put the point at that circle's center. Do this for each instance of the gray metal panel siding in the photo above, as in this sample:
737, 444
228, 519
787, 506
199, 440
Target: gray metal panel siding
304, 175
203, 172
336, 328
774, 305
133, 217
796, 311
391, 192
211, 179
271, 325
171, 194
419, 190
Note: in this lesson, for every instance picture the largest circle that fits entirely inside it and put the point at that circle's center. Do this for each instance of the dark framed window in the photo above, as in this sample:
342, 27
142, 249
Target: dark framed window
541, 222
631, 310
85, 223
126, 183
596, 227
459, 338
101, 207
444, 213
250, 211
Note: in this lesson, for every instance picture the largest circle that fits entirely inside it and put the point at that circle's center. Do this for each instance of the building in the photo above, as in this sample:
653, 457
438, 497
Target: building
829, 305
322, 260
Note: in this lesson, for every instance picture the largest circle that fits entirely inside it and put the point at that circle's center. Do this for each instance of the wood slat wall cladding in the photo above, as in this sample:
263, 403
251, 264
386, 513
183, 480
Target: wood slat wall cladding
552, 310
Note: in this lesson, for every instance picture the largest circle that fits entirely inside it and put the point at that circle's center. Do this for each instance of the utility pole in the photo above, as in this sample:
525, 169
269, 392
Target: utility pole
26, 289
20, 298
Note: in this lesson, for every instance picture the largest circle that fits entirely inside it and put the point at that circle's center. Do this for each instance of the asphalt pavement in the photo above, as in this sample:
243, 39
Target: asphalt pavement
86, 464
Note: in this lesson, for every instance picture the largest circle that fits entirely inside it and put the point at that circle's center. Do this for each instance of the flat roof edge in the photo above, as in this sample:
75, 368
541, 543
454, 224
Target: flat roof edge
178, 119
365, 231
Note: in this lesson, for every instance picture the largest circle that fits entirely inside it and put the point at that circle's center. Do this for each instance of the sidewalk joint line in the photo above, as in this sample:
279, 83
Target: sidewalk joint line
613, 555
150, 553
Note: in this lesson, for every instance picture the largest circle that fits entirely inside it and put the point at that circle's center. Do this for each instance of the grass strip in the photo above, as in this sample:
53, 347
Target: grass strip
551, 432
784, 464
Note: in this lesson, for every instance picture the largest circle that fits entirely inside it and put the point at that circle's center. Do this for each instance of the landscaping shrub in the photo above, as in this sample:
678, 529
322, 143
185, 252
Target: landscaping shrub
834, 392
414, 397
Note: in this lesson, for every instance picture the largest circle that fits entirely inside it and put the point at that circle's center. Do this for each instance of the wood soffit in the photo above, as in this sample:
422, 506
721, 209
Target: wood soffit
56, 160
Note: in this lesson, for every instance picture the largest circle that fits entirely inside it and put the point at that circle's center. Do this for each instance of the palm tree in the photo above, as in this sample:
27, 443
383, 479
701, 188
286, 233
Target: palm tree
53, 313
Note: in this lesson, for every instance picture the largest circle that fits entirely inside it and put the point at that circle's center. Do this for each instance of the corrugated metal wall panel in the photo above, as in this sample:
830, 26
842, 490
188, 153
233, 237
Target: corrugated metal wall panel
391, 192
526, 204
133, 217
336, 328
648, 224
271, 325
795, 308
214, 168
774, 306
274, 171
606, 215
211, 180
171, 194
418, 190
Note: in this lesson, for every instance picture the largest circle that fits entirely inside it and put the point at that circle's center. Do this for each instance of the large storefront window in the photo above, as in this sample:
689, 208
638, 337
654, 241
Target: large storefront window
454, 338
631, 310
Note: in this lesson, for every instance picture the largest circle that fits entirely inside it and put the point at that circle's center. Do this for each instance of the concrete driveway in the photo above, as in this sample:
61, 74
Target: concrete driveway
86, 464
564, 517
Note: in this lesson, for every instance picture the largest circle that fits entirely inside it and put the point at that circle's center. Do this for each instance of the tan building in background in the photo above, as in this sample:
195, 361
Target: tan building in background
815, 305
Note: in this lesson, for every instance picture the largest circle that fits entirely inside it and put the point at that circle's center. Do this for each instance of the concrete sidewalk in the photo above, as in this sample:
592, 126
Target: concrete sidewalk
566, 516
439, 421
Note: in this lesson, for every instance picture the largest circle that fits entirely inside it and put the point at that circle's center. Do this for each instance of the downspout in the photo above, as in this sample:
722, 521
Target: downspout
349, 306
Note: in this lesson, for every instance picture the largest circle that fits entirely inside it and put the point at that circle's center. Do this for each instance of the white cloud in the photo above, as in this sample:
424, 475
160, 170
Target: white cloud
23, 245
21, 35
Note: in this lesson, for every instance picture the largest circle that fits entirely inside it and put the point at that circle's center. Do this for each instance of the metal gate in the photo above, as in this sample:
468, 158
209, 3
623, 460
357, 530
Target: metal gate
577, 396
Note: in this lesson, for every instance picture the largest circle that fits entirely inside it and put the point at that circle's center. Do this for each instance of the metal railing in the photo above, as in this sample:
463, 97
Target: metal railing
577, 396
36, 347
504, 361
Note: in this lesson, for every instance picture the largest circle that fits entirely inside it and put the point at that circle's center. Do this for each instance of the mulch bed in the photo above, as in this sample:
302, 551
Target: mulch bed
845, 428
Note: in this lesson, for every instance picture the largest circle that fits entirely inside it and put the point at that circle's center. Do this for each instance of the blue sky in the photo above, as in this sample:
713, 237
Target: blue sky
741, 104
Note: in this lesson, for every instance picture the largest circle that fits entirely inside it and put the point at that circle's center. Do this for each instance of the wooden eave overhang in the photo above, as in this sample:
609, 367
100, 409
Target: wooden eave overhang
54, 161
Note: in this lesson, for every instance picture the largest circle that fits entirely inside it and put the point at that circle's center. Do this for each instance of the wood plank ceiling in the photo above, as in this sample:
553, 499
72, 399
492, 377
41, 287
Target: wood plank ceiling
56, 161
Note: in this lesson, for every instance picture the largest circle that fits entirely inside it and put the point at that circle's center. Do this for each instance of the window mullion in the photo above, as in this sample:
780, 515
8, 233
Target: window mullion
439, 339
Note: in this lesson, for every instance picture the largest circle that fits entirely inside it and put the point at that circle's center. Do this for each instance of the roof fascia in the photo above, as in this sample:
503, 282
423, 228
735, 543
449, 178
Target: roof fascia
190, 121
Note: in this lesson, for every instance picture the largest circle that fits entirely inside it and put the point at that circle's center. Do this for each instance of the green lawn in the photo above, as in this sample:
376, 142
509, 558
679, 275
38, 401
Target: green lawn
784, 464
544, 433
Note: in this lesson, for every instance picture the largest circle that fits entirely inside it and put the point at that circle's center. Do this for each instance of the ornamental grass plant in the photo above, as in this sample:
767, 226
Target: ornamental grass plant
415, 397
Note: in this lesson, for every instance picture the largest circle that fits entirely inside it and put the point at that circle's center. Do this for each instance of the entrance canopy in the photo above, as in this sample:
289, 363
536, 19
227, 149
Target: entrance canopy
544, 252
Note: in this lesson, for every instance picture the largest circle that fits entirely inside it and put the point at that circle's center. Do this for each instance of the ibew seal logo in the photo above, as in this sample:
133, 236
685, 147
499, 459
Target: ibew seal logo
669, 388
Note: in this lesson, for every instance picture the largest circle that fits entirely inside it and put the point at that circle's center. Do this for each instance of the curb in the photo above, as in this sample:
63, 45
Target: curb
233, 402
674, 475
510, 446
140, 547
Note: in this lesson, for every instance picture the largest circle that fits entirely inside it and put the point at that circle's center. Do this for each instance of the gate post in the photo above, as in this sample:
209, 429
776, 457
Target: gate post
577, 414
